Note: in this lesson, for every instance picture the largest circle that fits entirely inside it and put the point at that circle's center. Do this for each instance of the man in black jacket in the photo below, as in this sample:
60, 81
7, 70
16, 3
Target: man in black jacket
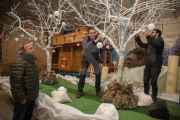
155, 46
91, 55
24, 82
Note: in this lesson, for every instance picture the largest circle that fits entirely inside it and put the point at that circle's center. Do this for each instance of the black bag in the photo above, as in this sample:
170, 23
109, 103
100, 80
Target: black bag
159, 110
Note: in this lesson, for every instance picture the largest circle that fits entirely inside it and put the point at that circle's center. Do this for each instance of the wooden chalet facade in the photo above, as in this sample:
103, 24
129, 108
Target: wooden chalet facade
68, 51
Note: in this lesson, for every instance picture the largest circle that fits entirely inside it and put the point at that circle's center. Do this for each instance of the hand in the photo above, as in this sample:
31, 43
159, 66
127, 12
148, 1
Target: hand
99, 38
137, 35
145, 32
100, 65
23, 102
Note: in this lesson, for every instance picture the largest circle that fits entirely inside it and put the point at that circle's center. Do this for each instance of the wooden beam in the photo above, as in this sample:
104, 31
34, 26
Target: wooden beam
71, 56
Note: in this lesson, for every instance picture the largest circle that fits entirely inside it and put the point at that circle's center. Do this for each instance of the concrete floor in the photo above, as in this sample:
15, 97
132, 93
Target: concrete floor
6, 108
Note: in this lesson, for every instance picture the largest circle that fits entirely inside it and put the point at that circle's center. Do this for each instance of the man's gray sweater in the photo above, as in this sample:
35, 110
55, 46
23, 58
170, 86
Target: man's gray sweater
91, 53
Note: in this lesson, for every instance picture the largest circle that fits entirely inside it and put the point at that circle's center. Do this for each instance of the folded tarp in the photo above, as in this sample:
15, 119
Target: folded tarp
47, 109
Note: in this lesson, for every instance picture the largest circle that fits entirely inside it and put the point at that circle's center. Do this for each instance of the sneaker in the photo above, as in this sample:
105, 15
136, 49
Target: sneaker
98, 93
79, 94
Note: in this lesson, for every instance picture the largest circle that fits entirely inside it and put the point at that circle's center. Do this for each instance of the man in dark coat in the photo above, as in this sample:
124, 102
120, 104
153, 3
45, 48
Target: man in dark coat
91, 55
24, 82
155, 46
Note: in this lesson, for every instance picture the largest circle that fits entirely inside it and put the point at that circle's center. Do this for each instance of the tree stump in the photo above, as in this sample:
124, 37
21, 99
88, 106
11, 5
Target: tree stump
121, 96
48, 78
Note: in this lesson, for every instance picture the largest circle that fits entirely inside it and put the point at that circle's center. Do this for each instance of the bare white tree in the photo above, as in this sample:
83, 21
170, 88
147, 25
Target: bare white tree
118, 22
46, 19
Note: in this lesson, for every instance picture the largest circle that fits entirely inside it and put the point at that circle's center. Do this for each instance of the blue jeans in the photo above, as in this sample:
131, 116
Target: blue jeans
23, 111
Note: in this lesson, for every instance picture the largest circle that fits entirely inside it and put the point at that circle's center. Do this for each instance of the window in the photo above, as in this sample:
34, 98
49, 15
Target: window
74, 37
55, 57
74, 48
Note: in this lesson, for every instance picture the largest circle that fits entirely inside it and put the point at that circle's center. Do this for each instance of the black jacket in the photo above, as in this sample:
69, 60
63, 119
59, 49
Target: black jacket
24, 78
155, 49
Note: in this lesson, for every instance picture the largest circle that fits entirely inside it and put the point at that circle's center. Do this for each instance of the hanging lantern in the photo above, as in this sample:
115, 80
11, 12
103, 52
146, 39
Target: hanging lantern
35, 38
56, 13
103, 35
99, 45
50, 15
22, 35
53, 51
63, 24
115, 62
107, 46
16, 39
57, 20
78, 44
151, 26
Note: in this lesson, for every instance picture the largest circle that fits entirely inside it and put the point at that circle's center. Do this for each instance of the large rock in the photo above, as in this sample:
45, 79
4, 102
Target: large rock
120, 95
48, 77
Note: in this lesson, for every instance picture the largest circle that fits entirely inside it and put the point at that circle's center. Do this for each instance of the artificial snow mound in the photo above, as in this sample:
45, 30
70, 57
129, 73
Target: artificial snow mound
60, 95
108, 109
144, 100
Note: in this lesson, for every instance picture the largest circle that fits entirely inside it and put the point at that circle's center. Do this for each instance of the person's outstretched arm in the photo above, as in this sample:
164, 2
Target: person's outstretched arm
102, 57
140, 43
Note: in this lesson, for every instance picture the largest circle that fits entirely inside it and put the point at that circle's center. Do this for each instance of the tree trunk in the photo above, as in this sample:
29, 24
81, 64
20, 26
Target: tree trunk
48, 60
121, 66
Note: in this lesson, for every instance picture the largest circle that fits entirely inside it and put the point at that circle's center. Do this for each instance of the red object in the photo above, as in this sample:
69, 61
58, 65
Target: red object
65, 62
111, 70
62, 62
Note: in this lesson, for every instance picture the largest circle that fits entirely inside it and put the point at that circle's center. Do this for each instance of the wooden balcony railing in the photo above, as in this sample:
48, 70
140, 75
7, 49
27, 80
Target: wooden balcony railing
68, 40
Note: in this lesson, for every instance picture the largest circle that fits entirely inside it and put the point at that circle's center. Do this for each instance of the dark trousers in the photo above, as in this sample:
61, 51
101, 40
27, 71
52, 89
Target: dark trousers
85, 65
23, 111
151, 73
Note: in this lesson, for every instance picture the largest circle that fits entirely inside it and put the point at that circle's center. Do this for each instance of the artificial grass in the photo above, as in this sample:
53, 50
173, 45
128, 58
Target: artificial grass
89, 102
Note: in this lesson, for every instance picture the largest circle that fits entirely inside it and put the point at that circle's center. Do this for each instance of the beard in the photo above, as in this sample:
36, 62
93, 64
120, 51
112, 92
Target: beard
92, 38
153, 37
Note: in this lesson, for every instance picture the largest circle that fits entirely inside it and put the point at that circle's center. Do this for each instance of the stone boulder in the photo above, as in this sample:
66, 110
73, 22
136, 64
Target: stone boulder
48, 77
121, 96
